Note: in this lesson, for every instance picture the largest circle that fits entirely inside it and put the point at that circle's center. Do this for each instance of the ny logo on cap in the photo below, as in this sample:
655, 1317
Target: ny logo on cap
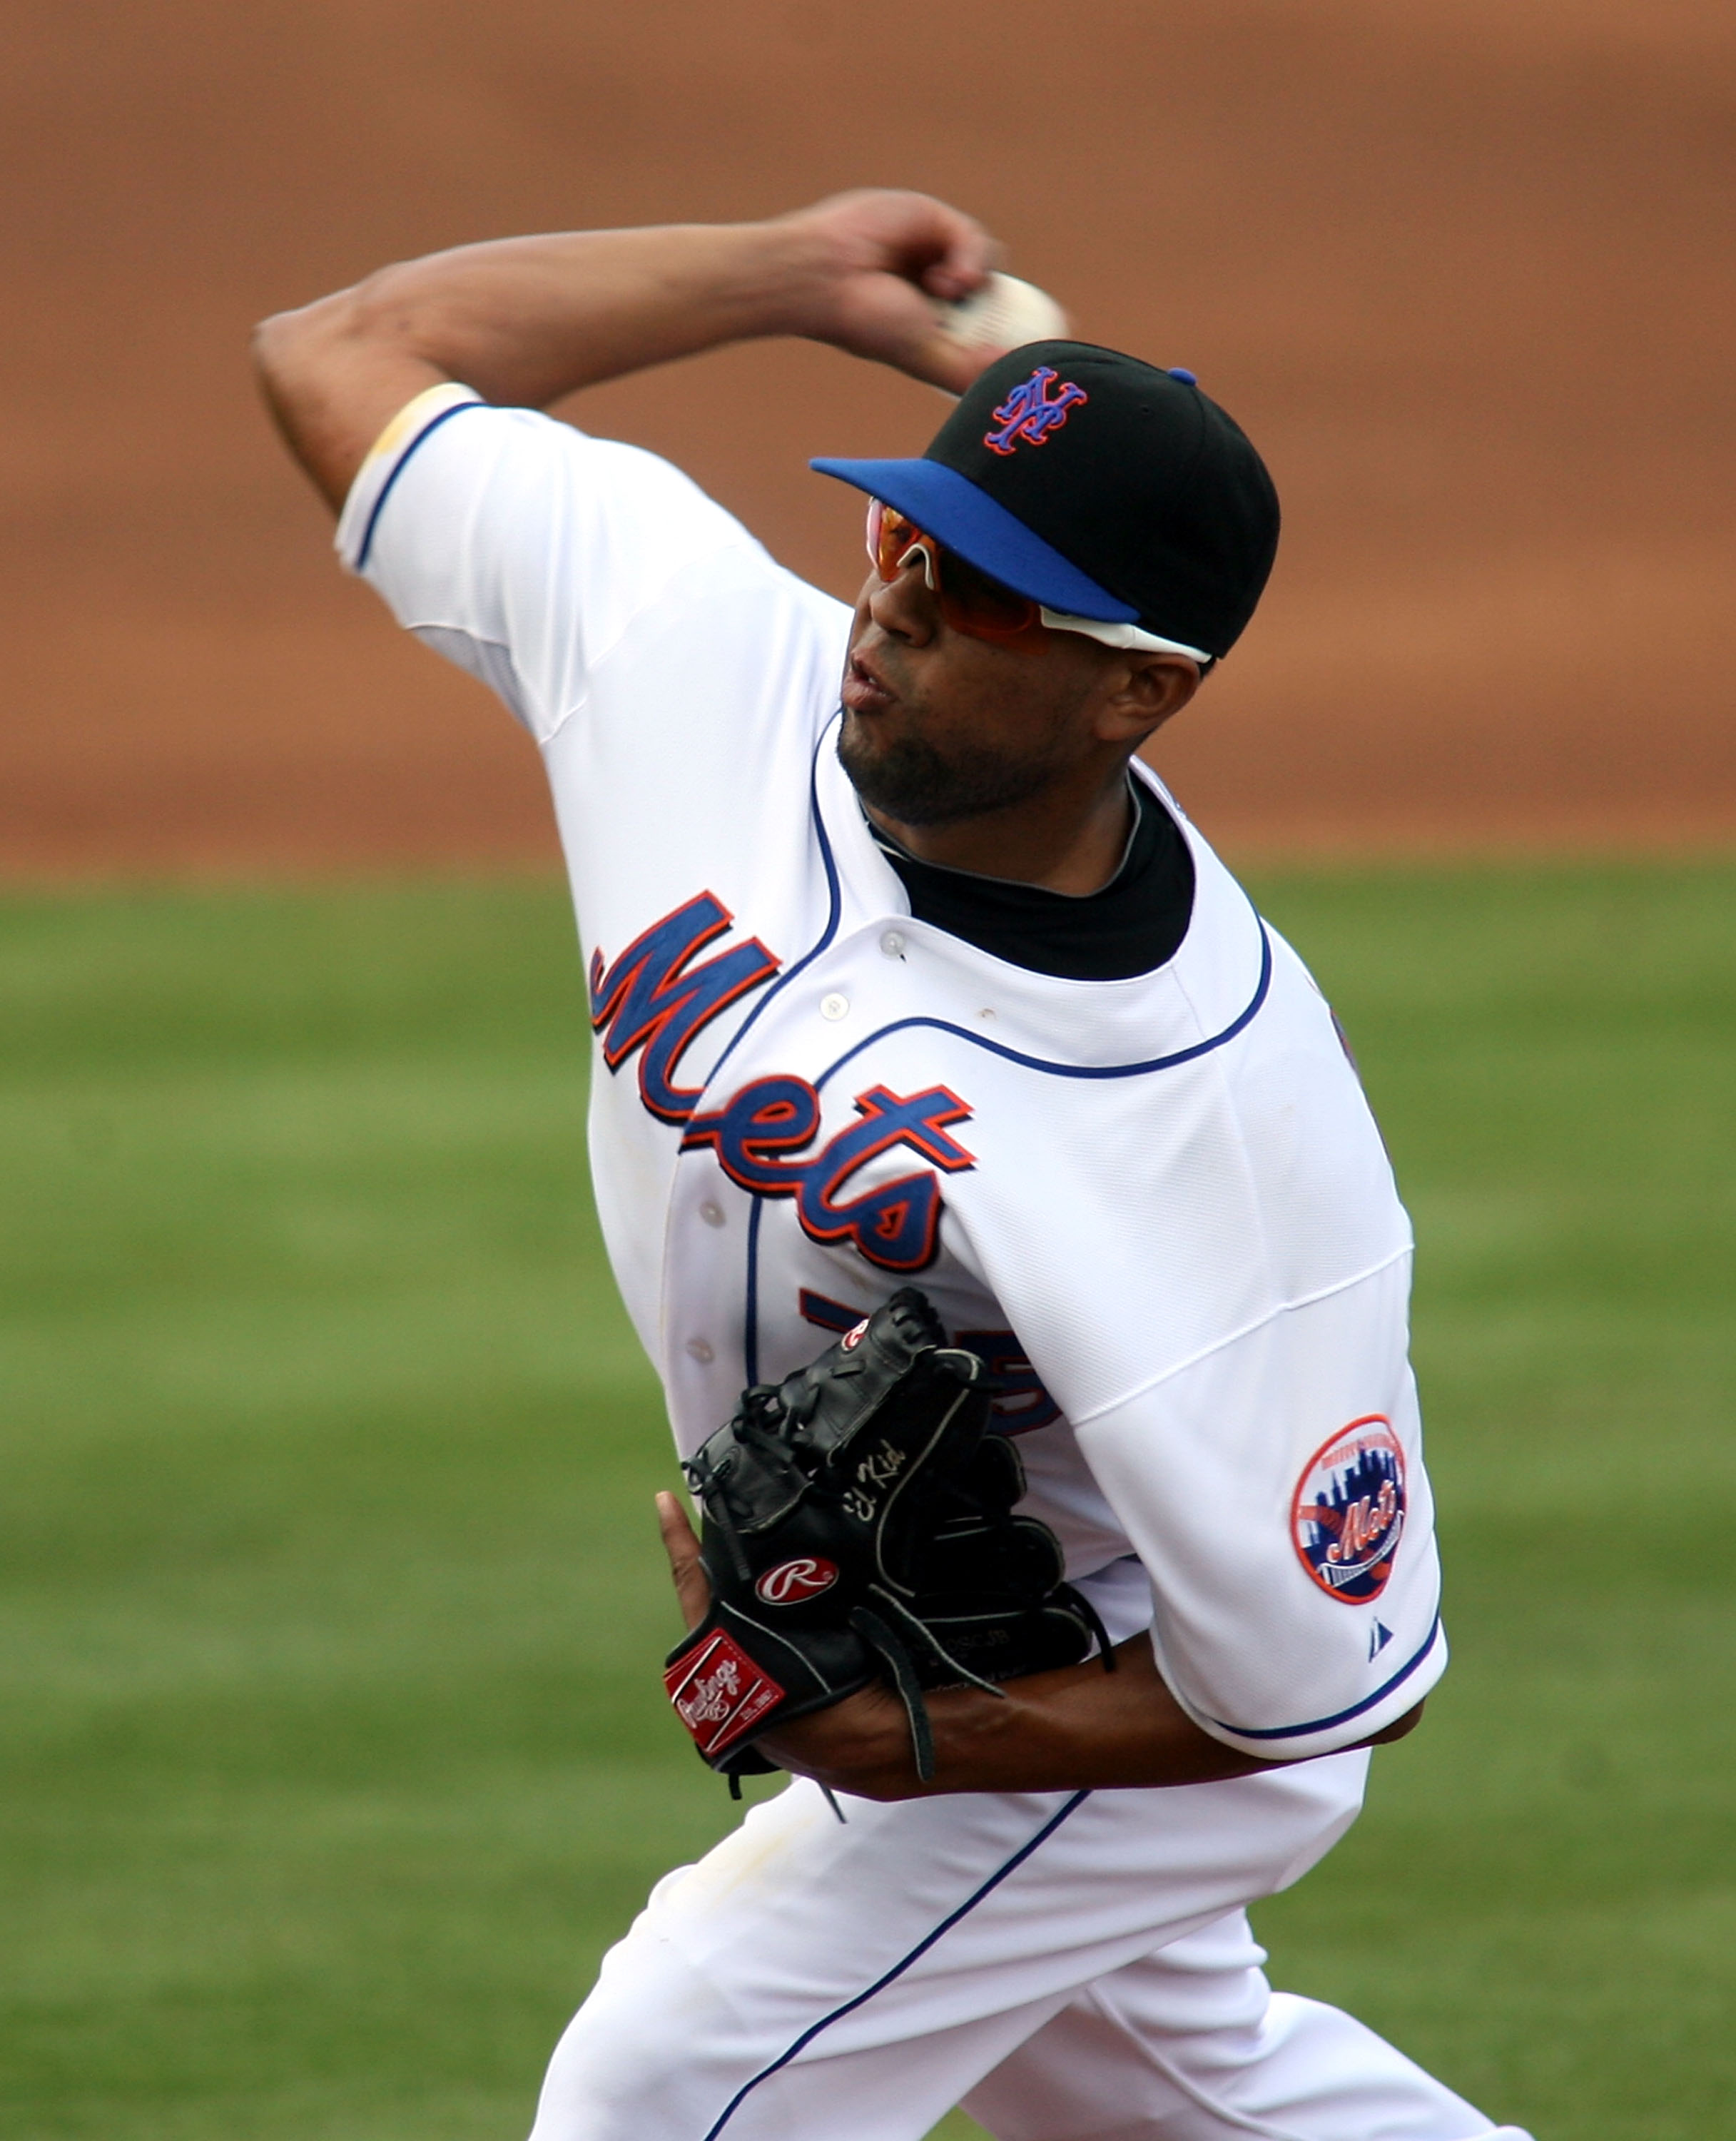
1029, 413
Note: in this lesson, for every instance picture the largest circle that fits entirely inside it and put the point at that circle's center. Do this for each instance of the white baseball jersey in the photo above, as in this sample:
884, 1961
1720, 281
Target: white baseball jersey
1158, 1206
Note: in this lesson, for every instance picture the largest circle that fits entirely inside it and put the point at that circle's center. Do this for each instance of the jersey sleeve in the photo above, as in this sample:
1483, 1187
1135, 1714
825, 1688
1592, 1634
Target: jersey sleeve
524, 550
1275, 1492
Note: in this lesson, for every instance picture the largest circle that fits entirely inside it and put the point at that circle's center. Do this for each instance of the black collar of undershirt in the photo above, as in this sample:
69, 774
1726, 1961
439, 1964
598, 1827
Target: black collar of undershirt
1132, 924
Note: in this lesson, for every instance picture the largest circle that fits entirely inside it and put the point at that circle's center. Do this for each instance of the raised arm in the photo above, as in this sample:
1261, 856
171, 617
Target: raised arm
525, 321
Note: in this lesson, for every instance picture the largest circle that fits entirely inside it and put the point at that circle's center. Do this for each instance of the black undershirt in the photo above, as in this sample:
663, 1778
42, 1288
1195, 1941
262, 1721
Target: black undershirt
1134, 922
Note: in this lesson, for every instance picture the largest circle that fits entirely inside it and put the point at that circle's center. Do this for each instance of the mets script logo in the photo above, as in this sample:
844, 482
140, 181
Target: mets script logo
1350, 1510
761, 1137
1030, 412
653, 999
793, 1582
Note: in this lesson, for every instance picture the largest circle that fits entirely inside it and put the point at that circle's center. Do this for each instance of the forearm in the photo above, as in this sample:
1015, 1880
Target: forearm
527, 320
1078, 1730
524, 320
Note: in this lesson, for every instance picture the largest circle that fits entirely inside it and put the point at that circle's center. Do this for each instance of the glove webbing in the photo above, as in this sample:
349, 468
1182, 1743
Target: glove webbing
714, 1498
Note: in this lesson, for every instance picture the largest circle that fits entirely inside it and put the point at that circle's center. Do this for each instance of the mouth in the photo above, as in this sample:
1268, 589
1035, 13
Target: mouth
865, 690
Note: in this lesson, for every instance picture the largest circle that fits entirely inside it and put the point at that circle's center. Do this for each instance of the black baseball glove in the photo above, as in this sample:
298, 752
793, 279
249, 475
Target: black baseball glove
858, 1524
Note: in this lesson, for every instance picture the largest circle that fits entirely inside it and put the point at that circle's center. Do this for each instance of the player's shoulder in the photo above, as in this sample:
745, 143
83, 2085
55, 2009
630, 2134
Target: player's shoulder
1230, 954
1287, 1069
1221, 974
450, 456
536, 555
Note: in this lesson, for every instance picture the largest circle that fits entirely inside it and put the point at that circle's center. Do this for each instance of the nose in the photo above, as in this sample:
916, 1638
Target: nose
903, 606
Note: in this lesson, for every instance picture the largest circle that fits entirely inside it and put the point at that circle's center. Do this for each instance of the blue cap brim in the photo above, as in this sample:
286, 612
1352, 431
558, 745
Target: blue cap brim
949, 507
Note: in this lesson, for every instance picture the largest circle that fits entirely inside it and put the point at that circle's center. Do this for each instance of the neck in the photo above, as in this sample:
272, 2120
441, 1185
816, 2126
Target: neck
1062, 842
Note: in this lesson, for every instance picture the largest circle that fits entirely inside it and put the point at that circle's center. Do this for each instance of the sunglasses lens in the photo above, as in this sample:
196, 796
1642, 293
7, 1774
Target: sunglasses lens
892, 538
970, 601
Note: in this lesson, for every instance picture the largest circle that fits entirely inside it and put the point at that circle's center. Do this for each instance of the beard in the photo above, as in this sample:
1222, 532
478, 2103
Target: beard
913, 784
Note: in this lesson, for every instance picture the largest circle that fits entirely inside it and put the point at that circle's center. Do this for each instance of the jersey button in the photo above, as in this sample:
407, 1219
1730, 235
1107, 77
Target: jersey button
834, 1007
711, 1212
699, 1351
893, 944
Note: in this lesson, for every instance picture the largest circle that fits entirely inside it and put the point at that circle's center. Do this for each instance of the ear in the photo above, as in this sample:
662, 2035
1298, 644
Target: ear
1145, 691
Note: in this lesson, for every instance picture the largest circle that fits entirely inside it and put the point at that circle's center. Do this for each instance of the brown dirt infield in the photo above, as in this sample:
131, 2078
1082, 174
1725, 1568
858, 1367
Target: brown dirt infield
1462, 266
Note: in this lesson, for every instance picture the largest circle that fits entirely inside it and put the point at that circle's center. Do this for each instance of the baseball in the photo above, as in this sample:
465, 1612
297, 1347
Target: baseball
1003, 314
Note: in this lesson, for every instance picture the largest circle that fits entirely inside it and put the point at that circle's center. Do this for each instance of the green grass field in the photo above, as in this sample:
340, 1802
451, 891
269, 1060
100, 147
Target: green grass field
333, 1749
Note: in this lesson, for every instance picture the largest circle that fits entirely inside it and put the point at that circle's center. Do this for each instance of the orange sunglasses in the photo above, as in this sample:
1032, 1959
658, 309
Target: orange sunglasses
970, 601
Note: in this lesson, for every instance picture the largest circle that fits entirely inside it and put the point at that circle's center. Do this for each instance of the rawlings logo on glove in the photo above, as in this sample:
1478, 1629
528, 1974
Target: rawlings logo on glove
791, 1582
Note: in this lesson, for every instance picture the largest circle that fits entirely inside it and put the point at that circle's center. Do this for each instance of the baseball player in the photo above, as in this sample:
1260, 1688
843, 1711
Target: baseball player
904, 969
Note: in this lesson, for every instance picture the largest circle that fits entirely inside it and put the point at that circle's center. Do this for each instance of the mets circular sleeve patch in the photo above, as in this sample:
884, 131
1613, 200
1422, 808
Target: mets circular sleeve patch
1349, 1510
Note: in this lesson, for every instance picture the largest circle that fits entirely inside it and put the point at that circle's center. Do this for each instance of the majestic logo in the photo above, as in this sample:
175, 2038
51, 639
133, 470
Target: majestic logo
793, 1582
854, 1336
1030, 412
758, 1136
653, 998
1349, 1510
719, 1693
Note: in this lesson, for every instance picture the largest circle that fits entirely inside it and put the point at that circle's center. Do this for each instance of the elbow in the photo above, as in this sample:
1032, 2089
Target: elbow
291, 348
384, 314
298, 366
331, 373
270, 346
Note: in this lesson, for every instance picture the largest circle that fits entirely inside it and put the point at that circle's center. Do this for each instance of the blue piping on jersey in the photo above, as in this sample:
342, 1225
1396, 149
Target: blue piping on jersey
750, 1330
1340, 1716
1077, 1070
427, 431
834, 909
898, 1968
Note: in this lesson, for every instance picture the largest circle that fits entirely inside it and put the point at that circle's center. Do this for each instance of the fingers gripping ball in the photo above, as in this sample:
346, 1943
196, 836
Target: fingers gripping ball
857, 1526
1004, 313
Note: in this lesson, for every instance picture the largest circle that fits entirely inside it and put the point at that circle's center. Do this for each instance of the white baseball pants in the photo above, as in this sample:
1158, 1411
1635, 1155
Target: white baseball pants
1070, 1967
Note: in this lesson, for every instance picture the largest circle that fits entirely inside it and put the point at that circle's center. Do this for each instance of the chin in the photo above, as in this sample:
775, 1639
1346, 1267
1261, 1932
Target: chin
909, 782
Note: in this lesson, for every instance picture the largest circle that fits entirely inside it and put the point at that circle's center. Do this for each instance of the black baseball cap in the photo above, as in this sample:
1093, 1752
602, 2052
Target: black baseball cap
1099, 485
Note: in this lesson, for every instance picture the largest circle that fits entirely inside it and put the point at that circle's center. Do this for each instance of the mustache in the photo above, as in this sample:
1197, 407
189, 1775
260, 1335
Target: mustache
884, 662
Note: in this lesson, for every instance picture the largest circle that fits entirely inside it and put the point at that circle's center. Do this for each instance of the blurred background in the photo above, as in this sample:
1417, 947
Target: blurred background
334, 1752
1462, 267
